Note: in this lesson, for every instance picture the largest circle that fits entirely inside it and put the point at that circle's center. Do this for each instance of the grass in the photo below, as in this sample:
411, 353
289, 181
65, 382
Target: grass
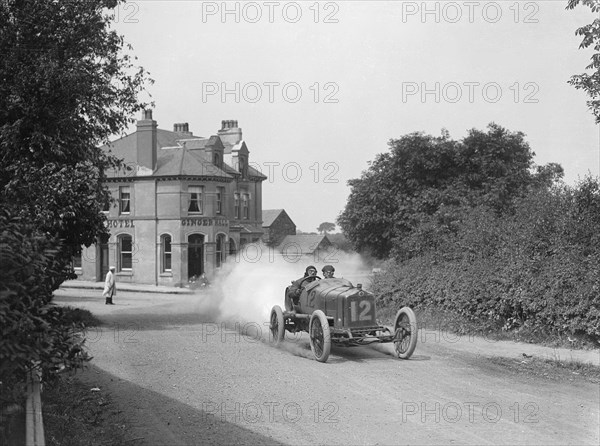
78, 315
74, 414
552, 369
447, 322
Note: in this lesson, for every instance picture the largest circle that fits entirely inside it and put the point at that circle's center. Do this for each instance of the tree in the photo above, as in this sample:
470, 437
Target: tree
424, 183
66, 86
590, 83
326, 227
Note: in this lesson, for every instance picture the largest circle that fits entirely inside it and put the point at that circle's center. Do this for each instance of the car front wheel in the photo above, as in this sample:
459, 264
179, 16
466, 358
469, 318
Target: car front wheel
320, 336
405, 333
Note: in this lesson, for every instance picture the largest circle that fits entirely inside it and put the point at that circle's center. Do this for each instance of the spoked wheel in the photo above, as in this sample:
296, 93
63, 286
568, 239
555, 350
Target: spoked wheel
276, 325
405, 333
320, 336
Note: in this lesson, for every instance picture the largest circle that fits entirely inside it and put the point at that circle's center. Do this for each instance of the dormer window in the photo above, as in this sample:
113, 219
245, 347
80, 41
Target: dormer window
216, 160
243, 167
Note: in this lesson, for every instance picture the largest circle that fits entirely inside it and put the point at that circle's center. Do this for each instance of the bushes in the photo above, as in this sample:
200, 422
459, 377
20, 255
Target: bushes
34, 332
537, 269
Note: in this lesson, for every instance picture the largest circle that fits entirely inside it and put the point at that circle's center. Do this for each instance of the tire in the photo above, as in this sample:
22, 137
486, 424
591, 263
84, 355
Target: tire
276, 325
405, 333
320, 336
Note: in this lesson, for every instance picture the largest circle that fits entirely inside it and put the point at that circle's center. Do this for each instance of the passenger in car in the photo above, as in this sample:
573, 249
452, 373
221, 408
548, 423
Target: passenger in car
328, 271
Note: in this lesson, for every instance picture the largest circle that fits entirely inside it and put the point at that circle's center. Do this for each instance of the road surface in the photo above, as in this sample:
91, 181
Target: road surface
181, 375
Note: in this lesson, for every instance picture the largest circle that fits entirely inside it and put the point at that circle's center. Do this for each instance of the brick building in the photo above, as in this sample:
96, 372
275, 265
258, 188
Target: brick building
183, 205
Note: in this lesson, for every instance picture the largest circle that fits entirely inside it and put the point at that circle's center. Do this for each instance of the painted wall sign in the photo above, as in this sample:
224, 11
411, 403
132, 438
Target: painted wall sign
122, 223
204, 222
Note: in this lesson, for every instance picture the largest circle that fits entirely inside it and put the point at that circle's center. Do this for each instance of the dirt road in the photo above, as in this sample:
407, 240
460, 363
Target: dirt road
181, 378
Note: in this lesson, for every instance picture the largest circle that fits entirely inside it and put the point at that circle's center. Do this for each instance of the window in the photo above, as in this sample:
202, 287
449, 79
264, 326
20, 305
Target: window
195, 205
106, 206
124, 200
220, 258
236, 205
165, 246
125, 253
220, 194
77, 261
245, 200
216, 160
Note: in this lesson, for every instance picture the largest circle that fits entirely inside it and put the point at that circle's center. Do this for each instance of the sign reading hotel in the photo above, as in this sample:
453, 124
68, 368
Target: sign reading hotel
121, 223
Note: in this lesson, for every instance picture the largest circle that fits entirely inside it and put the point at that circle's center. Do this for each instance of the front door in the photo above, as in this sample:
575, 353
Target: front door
195, 255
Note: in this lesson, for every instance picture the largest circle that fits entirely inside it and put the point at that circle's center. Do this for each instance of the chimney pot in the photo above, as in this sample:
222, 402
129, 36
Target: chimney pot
147, 114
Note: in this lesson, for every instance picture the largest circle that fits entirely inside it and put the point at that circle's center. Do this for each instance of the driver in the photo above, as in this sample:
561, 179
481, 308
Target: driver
296, 287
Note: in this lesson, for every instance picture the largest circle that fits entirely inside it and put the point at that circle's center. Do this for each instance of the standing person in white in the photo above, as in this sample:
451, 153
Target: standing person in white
110, 286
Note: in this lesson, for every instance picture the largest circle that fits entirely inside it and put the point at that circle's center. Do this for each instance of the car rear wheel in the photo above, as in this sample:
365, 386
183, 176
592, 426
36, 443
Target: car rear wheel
320, 336
405, 333
277, 326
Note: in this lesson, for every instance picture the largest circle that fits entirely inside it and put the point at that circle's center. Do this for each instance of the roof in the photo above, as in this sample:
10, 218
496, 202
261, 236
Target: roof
164, 138
269, 216
186, 162
307, 243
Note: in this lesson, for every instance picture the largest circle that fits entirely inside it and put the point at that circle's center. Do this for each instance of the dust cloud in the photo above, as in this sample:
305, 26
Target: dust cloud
250, 283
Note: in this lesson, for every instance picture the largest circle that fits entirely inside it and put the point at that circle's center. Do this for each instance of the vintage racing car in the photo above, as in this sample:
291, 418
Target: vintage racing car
334, 311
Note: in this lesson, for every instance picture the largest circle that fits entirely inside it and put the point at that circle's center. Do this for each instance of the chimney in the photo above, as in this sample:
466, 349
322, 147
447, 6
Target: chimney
147, 145
230, 133
183, 129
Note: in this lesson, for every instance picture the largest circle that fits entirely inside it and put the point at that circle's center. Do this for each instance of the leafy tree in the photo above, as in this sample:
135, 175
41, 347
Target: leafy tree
326, 227
590, 83
424, 185
66, 86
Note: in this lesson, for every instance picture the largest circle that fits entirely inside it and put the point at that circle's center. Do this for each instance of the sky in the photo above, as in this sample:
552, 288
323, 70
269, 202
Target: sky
319, 88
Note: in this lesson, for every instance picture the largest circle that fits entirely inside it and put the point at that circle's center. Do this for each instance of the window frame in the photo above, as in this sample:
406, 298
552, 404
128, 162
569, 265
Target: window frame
166, 254
121, 253
236, 205
219, 200
122, 200
220, 250
246, 206
199, 190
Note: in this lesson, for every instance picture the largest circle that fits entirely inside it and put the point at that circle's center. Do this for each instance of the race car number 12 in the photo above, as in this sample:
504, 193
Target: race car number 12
365, 307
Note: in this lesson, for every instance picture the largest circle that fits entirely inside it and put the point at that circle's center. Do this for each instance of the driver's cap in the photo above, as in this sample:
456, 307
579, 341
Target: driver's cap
328, 268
